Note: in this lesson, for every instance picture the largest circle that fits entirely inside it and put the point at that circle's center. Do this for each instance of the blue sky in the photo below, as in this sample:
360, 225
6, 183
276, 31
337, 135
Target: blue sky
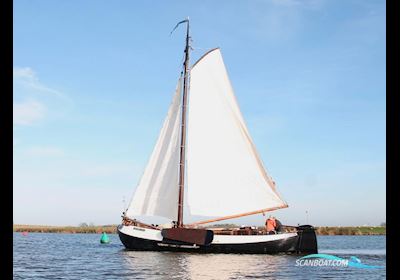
93, 81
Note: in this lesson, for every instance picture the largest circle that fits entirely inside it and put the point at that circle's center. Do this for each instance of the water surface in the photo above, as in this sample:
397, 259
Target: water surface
81, 256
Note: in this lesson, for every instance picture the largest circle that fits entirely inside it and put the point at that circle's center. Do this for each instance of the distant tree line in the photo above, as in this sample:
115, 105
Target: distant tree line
86, 225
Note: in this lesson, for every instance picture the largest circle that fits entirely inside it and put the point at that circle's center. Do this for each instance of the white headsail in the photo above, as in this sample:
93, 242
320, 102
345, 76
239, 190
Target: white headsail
157, 192
225, 175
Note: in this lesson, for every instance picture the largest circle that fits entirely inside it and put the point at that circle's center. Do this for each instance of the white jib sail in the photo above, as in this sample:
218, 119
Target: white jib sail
225, 175
157, 192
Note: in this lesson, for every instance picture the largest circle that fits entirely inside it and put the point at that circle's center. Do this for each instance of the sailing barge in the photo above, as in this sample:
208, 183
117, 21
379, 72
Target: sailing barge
205, 149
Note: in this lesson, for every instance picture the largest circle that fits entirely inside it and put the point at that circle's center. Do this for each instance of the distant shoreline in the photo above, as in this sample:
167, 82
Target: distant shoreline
362, 230
356, 230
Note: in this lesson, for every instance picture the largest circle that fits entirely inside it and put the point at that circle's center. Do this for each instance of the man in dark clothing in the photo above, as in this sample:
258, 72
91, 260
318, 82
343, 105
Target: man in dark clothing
278, 226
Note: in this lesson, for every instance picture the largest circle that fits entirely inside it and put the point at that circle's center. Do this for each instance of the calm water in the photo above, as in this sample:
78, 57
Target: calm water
81, 256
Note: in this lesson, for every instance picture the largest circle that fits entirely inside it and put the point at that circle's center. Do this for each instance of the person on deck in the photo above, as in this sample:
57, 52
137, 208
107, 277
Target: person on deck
270, 225
278, 226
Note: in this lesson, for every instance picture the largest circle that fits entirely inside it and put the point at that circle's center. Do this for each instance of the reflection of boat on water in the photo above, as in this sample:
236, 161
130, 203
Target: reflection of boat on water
205, 145
169, 265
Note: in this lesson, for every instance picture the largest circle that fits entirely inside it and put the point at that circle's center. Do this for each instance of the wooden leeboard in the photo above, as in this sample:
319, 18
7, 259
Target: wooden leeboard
192, 236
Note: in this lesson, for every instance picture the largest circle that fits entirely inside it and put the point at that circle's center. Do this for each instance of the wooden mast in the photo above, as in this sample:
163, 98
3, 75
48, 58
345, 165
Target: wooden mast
183, 128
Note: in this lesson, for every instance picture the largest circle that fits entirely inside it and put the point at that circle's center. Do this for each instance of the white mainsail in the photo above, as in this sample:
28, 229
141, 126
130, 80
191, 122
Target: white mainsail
157, 192
225, 175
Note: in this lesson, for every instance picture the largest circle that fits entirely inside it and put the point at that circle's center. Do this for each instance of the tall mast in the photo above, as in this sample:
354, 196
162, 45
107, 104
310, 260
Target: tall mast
183, 128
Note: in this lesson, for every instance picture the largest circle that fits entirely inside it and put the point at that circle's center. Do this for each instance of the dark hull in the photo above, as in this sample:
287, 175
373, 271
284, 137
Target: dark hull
291, 245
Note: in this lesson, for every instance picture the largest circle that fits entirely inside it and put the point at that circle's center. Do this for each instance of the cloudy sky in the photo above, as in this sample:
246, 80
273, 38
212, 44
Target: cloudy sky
93, 81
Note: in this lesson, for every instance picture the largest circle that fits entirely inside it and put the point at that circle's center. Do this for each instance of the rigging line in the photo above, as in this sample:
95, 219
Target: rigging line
179, 67
201, 49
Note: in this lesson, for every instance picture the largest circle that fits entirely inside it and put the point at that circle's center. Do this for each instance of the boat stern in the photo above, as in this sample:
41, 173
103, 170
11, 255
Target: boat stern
307, 240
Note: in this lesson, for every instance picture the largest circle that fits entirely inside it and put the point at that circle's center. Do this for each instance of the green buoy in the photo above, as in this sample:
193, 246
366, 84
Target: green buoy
104, 239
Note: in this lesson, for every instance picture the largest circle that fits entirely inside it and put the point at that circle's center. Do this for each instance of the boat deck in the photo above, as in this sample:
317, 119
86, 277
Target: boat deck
248, 230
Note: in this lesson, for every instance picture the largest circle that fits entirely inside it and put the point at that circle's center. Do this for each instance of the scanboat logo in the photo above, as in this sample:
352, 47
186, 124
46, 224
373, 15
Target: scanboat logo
330, 260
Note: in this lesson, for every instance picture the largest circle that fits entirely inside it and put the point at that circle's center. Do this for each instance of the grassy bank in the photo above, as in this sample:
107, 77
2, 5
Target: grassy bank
113, 229
65, 229
351, 230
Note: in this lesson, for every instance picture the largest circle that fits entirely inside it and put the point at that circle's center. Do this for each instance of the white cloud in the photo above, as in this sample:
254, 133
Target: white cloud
28, 112
34, 100
45, 152
24, 73
28, 78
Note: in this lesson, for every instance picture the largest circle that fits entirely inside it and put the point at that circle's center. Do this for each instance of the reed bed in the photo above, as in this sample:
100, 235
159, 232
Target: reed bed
65, 229
361, 230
